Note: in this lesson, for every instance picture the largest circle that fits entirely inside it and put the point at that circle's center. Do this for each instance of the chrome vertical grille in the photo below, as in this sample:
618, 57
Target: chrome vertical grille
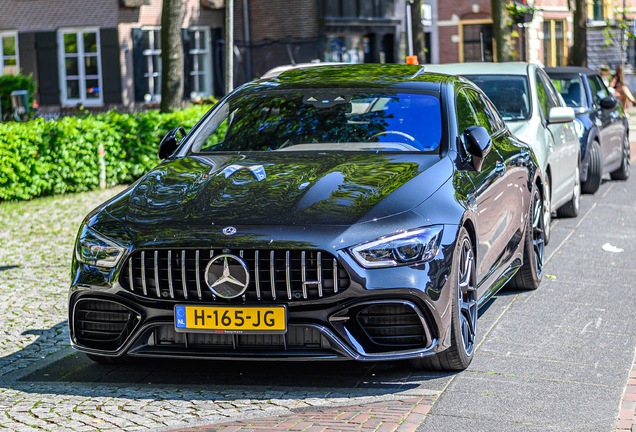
275, 275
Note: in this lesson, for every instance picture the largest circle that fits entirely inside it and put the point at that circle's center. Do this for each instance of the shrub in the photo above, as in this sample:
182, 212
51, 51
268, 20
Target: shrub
9, 83
39, 157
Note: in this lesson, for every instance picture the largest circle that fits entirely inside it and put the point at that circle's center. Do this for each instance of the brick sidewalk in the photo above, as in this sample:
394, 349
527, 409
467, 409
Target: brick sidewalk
627, 415
396, 415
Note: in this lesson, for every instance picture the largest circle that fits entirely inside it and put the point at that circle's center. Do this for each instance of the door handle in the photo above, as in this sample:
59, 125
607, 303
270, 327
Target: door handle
500, 168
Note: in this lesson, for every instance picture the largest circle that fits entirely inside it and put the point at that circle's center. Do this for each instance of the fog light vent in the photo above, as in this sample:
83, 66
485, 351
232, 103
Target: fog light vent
392, 325
102, 324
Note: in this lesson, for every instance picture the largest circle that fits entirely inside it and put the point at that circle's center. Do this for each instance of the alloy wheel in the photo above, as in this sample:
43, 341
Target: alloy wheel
627, 154
538, 233
467, 297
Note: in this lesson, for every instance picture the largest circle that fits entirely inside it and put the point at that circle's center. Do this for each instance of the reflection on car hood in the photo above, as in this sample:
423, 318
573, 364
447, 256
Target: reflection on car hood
281, 189
521, 129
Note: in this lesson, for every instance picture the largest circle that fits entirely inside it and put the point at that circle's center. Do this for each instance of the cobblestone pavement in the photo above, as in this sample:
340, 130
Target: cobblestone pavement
36, 241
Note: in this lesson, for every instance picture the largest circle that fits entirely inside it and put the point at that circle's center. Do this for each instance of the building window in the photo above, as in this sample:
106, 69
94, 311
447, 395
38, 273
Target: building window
554, 43
201, 73
598, 10
152, 64
476, 41
358, 8
9, 53
80, 67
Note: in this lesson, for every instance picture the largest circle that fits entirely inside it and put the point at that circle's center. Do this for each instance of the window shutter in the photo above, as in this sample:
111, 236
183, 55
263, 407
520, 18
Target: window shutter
27, 55
138, 64
111, 67
218, 63
49, 82
187, 63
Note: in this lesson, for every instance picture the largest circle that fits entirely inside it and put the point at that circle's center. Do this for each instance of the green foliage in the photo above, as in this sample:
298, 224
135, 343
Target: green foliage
40, 157
9, 83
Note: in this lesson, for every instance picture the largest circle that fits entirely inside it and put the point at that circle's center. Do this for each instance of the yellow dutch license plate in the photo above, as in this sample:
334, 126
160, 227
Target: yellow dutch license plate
231, 319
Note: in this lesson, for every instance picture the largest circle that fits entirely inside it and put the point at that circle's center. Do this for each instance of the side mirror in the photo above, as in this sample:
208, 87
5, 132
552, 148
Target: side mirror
478, 145
561, 115
170, 142
608, 102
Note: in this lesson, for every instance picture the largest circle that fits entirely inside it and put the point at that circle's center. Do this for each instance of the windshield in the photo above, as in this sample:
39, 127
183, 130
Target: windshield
572, 91
323, 120
509, 93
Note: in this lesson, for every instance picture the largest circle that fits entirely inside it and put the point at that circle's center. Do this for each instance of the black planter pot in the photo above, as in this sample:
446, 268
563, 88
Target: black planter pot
525, 17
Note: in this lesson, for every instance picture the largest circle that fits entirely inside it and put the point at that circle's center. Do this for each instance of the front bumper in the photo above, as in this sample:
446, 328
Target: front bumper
384, 314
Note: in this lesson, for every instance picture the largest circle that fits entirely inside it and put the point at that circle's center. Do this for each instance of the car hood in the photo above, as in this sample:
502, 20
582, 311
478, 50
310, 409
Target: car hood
281, 189
521, 129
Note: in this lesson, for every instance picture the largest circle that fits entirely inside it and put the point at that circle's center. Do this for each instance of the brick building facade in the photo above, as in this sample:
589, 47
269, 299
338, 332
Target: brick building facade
102, 53
464, 32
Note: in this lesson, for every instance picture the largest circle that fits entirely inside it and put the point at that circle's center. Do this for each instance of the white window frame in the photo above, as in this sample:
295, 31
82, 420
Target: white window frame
153, 95
81, 67
195, 51
4, 34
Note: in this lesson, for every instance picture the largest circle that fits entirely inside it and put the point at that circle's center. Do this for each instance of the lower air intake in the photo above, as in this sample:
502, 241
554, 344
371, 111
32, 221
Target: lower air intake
102, 324
392, 325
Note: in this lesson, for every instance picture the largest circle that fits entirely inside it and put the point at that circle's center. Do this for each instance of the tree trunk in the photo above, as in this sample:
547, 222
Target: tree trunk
501, 31
419, 46
171, 56
579, 47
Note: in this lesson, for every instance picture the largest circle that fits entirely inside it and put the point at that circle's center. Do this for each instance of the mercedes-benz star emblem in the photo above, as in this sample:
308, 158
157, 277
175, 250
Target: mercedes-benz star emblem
229, 230
227, 276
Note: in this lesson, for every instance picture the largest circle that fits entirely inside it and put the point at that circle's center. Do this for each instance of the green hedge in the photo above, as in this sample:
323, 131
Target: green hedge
9, 83
40, 157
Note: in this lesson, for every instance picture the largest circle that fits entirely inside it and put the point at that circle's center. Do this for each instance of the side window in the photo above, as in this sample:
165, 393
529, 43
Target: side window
553, 95
485, 116
464, 112
544, 99
497, 117
598, 90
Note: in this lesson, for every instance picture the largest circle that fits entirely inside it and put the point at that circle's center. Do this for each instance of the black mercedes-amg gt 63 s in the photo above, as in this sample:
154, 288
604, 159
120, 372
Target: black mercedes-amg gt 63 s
357, 212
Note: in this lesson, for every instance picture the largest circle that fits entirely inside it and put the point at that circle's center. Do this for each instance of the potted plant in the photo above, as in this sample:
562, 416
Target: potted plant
520, 12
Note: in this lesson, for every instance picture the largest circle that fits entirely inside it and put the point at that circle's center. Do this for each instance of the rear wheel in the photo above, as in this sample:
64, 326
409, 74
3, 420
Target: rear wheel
572, 207
531, 272
594, 170
623, 172
464, 312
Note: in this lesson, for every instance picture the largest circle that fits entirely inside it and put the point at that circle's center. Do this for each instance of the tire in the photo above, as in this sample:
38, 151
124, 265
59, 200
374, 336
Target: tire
623, 172
571, 208
547, 208
108, 360
594, 170
531, 272
464, 312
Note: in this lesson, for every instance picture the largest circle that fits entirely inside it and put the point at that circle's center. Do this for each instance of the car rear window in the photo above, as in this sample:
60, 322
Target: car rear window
323, 120
509, 93
572, 91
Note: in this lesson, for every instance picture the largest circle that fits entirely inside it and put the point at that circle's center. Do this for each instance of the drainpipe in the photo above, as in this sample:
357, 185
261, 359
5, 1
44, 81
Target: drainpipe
248, 48
229, 46
409, 27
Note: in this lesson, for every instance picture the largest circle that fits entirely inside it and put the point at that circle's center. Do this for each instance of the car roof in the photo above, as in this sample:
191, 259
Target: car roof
274, 72
357, 76
570, 70
506, 68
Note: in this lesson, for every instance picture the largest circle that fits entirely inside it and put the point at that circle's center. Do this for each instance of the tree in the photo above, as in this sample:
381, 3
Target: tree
501, 30
579, 47
171, 56
419, 46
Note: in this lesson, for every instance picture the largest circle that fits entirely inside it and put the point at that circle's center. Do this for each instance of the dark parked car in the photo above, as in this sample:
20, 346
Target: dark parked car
600, 124
343, 212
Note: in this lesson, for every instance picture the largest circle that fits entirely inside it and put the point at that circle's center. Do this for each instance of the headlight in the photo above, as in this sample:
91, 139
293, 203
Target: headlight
408, 247
95, 249
579, 128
